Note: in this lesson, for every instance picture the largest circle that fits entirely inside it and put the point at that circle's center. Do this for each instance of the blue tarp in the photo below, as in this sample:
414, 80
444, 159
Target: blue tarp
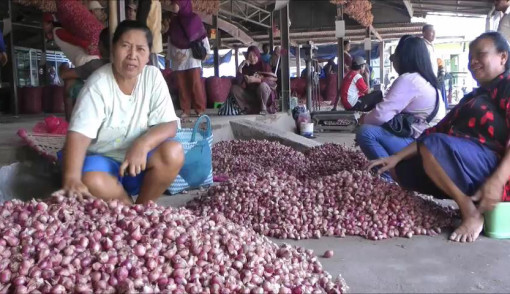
209, 62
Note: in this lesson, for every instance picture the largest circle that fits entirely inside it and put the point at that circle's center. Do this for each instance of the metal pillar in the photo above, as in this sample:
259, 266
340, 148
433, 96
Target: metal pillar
381, 63
298, 60
309, 84
340, 57
216, 44
284, 56
271, 35
14, 90
368, 59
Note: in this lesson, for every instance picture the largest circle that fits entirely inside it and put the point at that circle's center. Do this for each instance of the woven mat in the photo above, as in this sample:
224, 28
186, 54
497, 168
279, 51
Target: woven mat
45, 144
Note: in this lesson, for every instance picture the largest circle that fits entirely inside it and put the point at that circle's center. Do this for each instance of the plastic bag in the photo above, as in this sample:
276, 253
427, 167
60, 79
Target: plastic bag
301, 115
7, 176
51, 125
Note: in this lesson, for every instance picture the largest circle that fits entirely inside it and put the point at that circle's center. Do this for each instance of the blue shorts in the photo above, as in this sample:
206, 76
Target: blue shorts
466, 162
100, 163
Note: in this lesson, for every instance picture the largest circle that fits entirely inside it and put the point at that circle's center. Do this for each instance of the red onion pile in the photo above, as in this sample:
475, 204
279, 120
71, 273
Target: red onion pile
320, 193
90, 246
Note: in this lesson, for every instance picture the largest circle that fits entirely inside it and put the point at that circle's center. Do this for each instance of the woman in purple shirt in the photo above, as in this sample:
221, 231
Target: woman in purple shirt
414, 91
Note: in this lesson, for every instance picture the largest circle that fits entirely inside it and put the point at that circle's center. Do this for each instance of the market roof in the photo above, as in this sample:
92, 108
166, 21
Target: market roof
314, 20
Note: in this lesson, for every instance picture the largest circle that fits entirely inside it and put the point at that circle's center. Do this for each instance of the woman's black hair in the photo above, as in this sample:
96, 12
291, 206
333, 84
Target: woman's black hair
104, 39
142, 11
499, 42
128, 25
413, 56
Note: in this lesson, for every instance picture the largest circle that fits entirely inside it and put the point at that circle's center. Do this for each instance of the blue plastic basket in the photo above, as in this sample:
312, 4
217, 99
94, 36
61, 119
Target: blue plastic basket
197, 169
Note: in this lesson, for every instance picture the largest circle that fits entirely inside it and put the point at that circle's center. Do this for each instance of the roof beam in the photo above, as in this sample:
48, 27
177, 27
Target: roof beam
376, 34
409, 7
230, 28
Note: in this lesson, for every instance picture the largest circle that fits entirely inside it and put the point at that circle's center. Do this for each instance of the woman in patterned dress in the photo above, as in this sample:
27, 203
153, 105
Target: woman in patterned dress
464, 157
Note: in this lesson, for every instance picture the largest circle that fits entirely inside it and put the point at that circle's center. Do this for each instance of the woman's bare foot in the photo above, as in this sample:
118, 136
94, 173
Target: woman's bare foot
471, 226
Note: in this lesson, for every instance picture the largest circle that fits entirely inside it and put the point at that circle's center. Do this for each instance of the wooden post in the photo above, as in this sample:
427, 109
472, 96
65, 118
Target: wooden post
14, 66
368, 59
113, 21
271, 35
298, 61
340, 57
236, 57
284, 56
381, 63
216, 44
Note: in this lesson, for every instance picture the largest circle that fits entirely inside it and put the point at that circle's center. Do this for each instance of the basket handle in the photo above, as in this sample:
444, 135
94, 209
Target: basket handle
197, 123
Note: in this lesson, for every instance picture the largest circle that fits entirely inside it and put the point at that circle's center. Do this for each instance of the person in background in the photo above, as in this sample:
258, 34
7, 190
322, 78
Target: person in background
330, 67
53, 76
415, 92
441, 74
98, 11
503, 6
466, 157
131, 9
74, 78
266, 55
149, 13
120, 139
347, 56
448, 81
255, 93
275, 58
187, 68
3, 50
429, 35
354, 92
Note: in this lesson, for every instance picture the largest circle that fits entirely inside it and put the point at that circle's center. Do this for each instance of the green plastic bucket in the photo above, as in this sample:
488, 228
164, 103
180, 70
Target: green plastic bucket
497, 222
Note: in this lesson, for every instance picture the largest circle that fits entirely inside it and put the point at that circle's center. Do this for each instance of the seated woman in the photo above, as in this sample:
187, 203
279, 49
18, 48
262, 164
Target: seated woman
118, 141
465, 157
256, 89
414, 92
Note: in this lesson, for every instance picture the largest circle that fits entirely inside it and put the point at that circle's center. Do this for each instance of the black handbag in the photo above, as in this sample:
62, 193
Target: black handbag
400, 124
198, 50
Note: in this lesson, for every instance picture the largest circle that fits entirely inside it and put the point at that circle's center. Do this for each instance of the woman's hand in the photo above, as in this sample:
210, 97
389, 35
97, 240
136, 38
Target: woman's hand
489, 194
383, 164
73, 187
135, 161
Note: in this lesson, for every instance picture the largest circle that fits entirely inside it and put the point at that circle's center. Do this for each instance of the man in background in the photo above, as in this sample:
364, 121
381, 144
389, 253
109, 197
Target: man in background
504, 24
266, 55
429, 35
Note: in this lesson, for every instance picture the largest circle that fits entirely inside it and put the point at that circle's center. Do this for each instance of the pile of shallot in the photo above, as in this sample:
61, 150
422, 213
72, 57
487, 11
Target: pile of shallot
66, 245
282, 193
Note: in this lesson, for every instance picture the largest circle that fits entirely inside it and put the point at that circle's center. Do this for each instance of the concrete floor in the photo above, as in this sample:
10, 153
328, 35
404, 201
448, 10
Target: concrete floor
419, 265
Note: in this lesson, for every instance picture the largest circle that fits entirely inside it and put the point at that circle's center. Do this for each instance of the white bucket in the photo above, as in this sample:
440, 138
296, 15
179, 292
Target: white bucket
306, 129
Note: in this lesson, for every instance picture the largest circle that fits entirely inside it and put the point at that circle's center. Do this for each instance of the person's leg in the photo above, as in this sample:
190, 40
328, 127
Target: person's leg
263, 93
163, 166
100, 177
370, 100
472, 220
184, 92
198, 94
376, 142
